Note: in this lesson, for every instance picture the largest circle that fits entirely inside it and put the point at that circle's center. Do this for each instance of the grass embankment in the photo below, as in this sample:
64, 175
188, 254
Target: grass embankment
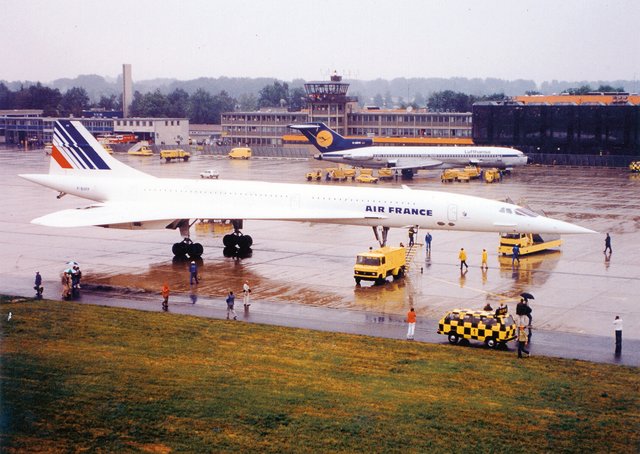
92, 378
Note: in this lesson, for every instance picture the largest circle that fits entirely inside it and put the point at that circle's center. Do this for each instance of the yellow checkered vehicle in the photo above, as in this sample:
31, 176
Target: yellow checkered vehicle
494, 328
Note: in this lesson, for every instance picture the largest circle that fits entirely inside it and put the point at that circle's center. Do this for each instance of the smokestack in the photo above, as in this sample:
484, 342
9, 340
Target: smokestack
127, 89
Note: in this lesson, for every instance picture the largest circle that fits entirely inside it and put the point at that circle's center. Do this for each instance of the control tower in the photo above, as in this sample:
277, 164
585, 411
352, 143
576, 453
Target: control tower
328, 102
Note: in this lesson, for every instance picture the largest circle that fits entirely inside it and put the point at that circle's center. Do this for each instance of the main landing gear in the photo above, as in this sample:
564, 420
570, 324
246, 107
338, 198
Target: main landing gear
236, 244
187, 247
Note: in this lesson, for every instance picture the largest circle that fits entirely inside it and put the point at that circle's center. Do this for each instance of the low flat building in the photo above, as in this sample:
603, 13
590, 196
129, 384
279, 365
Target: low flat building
20, 127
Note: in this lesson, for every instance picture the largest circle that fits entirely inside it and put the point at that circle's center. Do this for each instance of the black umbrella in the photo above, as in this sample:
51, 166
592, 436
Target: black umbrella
527, 296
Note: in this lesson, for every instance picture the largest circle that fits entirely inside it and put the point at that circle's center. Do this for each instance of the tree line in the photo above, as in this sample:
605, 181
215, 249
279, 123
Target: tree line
202, 107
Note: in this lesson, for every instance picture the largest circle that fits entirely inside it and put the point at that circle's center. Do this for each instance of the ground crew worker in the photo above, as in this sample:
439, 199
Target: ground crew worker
193, 273
411, 323
231, 298
165, 296
246, 291
463, 258
411, 233
483, 264
38, 285
617, 323
427, 242
515, 254
523, 340
607, 244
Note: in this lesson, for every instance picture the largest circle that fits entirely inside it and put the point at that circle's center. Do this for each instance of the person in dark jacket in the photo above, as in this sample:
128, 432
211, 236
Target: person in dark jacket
607, 244
38, 285
193, 273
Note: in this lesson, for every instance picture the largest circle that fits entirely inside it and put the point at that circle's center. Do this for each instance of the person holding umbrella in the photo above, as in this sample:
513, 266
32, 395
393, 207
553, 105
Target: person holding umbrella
527, 309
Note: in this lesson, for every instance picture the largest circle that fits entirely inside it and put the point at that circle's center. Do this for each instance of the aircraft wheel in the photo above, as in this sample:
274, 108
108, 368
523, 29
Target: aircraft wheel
229, 241
179, 249
245, 242
195, 250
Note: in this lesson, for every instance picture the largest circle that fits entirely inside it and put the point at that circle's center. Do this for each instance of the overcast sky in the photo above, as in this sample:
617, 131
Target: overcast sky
42, 40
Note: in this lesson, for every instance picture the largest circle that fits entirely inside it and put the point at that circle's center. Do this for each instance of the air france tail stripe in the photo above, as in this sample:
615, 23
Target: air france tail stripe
66, 144
62, 162
74, 148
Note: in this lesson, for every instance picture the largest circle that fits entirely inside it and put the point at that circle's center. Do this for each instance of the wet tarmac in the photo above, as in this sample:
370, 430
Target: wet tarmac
305, 270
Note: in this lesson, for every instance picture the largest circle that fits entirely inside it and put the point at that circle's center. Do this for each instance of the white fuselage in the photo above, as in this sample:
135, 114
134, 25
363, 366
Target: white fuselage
427, 157
160, 199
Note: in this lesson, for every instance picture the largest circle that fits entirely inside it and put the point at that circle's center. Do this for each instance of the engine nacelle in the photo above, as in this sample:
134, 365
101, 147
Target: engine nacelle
358, 157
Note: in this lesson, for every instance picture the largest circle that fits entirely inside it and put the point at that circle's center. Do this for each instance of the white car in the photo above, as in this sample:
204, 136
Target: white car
209, 173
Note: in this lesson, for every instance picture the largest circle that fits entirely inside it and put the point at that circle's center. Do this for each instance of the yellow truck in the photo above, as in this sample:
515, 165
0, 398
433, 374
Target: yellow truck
240, 153
385, 173
350, 173
375, 265
178, 153
527, 242
314, 175
492, 175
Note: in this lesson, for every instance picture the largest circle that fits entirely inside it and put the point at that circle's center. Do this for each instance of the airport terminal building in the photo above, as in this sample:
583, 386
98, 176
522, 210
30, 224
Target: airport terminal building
328, 102
599, 129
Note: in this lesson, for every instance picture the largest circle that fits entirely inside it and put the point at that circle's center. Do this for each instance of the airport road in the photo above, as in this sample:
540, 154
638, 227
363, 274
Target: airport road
578, 290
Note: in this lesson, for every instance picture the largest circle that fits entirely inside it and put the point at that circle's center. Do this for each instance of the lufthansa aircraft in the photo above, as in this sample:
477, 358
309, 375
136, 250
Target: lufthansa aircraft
362, 153
126, 198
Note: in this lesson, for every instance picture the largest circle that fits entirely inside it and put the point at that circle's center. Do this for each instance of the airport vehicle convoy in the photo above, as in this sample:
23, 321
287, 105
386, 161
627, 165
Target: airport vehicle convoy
527, 242
408, 160
178, 153
314, 175
494, 328
240, 153
126, 198
376, 265
210, 173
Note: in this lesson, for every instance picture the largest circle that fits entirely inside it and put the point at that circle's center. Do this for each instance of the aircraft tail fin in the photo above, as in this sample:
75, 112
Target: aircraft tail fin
326, 139
75, 150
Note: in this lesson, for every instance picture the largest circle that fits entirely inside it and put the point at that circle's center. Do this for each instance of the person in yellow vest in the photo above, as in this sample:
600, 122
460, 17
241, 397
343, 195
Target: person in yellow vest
463, 258
484, 265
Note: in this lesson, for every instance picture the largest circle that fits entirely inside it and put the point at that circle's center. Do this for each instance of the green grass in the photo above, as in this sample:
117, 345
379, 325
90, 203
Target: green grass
78, 377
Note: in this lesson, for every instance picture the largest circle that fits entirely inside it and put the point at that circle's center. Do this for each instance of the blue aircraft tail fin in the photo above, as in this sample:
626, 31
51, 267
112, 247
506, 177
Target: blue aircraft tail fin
326, 139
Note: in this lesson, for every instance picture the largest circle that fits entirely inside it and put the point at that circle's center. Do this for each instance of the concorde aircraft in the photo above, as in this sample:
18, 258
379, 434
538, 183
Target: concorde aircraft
362, 153
126, 198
